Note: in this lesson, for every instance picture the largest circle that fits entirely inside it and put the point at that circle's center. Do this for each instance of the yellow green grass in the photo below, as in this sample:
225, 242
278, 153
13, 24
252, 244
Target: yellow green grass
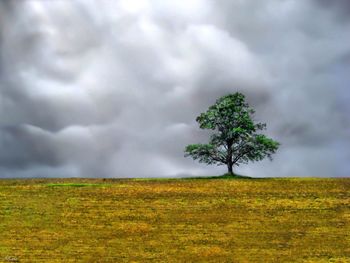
192, 220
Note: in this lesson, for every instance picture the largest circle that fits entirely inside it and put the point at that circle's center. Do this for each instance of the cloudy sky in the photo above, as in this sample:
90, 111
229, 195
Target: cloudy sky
101, 88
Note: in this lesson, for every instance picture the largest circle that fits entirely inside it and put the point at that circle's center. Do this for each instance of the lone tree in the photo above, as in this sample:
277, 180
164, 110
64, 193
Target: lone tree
235, 140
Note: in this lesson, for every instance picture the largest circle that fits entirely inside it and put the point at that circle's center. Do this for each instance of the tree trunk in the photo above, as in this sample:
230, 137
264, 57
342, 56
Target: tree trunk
229, 169
229, 158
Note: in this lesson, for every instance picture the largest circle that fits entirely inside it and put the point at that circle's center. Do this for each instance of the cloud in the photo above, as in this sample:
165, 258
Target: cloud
112, 88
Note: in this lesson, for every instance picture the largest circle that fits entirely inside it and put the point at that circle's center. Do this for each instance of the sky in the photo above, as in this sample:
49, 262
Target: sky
100, 88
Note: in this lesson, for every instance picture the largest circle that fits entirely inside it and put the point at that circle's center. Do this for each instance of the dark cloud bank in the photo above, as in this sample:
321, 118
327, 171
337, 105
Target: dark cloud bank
111, 88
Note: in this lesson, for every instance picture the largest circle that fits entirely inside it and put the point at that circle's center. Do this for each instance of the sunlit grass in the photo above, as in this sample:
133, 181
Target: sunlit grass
192, 220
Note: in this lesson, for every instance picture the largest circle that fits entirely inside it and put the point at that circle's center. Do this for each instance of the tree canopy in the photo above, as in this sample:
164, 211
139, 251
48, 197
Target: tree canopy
236, 139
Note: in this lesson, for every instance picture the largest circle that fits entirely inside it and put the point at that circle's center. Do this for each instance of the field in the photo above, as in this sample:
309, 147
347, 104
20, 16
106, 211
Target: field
182, 220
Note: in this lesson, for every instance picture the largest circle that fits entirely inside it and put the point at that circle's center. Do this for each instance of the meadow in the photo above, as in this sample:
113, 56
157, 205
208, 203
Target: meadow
175, 220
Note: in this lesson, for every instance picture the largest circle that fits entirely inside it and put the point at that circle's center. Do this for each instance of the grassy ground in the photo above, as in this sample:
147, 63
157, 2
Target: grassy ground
190, 220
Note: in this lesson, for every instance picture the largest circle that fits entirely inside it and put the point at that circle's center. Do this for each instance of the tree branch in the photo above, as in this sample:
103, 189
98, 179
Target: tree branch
241, 155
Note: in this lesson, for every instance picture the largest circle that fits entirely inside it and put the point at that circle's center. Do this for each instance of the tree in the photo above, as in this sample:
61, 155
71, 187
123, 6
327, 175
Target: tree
235, 139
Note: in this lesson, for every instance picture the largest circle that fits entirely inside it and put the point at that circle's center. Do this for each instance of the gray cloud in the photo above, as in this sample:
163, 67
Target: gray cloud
340, 7
112, 88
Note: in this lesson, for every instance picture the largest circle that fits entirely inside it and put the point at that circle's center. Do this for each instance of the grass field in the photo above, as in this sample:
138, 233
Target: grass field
188, 220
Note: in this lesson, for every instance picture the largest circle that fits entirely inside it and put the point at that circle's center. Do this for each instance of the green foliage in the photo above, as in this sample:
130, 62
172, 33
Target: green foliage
235, 139
205, 153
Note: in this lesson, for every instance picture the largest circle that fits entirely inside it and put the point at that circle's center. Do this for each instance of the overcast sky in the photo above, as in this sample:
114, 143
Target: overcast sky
101, 88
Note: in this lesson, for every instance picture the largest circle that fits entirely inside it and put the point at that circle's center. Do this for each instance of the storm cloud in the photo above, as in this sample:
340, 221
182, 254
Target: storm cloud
112, 88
